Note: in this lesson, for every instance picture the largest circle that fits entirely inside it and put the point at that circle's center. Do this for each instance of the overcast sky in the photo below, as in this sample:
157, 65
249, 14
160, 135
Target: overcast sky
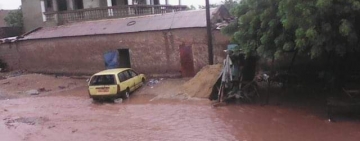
14, 4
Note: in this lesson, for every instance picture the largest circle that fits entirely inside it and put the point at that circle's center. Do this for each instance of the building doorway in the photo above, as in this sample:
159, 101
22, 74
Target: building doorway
119, 2
62, 5
49, 5
156, 2
124, 58
187, 61
114, 2
78, 4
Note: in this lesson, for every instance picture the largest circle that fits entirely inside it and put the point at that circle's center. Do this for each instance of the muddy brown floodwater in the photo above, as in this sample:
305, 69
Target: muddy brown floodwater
72, 116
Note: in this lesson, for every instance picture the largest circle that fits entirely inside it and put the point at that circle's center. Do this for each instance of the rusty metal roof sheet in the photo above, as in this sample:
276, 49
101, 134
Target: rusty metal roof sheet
183, 19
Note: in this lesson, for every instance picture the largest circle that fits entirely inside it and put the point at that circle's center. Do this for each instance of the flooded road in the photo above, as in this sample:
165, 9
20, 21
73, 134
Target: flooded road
73, 116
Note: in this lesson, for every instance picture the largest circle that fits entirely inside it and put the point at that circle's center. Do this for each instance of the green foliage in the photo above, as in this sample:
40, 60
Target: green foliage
269, 28
211, 6
345, 27
230, 4
192, 7
14, 18
311, 33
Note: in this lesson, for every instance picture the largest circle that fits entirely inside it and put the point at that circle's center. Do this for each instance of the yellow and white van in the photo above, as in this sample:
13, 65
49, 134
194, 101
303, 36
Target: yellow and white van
114, 83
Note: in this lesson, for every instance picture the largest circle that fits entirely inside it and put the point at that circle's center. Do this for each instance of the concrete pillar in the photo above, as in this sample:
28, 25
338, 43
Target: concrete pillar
55, 5
111, 12
42, 4
71, 4
166, 2
109, 3
148, 2
152, 8
130, 2
56, 8
179, 2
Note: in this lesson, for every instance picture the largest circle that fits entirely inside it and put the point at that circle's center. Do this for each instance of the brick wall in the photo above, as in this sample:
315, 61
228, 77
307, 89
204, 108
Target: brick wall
9, 53
155, 52
10, 32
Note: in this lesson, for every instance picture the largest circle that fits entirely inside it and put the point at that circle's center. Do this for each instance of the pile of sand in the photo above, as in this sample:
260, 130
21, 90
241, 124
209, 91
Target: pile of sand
201, 85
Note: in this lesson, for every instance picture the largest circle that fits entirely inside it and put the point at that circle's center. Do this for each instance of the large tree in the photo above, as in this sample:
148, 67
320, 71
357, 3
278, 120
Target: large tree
192, 7
14, 18
269, 28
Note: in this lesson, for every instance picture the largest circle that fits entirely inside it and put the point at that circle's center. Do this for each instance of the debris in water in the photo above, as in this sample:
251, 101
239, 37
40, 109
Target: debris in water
26, 120
6, 83
32, 92
62, 87
218, 104
41, 89
52, 126
153, 82
119, 100
2, 77
16, 73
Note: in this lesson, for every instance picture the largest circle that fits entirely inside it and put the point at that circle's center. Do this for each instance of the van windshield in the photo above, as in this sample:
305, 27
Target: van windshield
103, 80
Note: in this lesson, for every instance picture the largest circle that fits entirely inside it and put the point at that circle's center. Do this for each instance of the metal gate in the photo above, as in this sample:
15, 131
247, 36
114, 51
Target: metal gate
187, 61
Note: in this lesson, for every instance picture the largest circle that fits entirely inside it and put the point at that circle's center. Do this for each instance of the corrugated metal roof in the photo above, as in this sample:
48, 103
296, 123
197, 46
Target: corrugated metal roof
183, 19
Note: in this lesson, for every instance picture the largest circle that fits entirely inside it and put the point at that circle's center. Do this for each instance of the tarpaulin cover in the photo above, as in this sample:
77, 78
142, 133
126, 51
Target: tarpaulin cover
111, 60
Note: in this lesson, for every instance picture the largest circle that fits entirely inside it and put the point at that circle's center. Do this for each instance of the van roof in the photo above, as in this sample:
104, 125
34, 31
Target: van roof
112, 71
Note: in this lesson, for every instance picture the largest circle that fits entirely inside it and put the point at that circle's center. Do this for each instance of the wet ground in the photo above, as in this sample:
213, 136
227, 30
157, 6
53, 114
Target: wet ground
71, 115
18, 85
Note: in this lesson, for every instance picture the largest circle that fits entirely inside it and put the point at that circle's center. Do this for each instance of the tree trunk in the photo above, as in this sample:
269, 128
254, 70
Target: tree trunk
292, 61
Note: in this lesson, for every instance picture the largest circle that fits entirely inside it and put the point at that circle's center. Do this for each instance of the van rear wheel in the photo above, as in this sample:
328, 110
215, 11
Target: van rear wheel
96, 99
143, 82
126, 94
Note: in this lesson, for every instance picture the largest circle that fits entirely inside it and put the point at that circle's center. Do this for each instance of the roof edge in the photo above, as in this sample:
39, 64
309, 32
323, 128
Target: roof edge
23, 39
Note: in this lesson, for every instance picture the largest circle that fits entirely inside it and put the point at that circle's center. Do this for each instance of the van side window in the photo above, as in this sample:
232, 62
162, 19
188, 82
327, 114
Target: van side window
133, 74
128, 76
122, 77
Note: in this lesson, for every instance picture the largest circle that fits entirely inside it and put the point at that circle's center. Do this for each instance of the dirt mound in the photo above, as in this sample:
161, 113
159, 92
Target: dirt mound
201, 85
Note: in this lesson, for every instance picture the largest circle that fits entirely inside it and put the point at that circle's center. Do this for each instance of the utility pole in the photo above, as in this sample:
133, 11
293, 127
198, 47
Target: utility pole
209, 34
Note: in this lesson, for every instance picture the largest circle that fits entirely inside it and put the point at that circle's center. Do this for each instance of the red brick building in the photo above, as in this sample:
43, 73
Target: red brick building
157, 44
